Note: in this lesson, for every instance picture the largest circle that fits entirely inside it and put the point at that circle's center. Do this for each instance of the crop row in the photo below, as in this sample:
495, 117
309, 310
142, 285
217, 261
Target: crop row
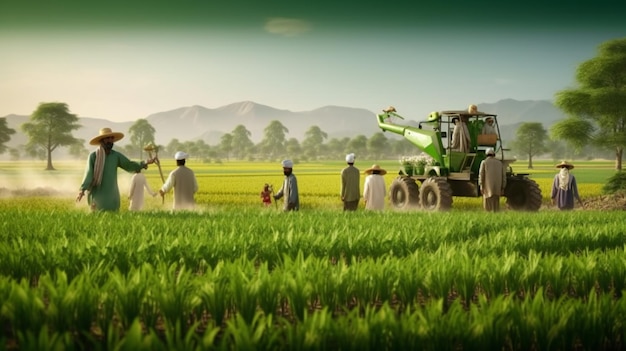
330, 303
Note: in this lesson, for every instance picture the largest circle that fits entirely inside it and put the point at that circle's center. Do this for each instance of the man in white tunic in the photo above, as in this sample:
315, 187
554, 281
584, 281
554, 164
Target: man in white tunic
492, 181
184, 182
289, 190
135, 194
374, 188
461, 136
489, 127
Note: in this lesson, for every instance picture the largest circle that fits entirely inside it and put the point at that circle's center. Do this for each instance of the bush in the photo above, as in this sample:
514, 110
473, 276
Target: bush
615, 184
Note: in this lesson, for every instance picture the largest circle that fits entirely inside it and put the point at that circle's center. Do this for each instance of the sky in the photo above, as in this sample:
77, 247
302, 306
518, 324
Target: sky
124, 60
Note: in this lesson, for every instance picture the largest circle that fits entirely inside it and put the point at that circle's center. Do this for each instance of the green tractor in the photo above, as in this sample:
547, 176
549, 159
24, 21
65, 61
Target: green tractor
453, 171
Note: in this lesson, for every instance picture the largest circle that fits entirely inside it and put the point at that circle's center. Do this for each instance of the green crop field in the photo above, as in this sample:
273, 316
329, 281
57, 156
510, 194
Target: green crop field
234, 275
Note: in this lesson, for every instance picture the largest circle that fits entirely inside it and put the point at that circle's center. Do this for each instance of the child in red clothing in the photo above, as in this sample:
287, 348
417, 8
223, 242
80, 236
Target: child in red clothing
266, 195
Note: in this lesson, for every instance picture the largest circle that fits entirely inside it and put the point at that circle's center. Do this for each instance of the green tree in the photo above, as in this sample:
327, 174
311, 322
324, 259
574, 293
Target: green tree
202, 150
530, 140
78, 150
358, 145
5, 134
336, 148
173, 146
273, 142
226, 144
600, 98
575, 131
241, 141
50, 126
313, 143
377, 145
292, 145
141, 134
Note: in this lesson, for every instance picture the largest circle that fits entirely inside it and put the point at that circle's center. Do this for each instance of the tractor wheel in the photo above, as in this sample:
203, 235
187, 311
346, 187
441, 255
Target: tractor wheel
436, 194
404, 193
522, 195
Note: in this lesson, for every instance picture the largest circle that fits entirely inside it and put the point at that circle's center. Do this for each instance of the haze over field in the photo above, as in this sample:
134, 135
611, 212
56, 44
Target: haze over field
121, 61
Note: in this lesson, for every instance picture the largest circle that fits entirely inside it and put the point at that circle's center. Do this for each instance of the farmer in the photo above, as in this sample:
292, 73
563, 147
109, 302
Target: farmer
488, 127
374, 188
492, 181
101, 173
289, 190
184, 182
350, 185
564, 189
460, 135
135, 193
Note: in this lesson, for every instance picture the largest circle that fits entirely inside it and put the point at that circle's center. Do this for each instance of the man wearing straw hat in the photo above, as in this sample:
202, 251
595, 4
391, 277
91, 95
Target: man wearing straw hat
564, 189
101, 174
374, 188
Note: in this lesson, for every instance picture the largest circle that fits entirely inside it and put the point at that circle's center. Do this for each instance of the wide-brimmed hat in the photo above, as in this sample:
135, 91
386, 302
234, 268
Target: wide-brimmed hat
104, 133
565, 164
375, 168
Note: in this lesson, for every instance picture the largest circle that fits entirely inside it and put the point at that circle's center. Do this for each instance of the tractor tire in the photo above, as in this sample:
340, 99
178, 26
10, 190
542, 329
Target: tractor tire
404, 193
436, 194
522, 194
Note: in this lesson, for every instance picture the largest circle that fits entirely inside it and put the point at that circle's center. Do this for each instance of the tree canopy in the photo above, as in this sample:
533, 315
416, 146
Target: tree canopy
599, 100
141, 134
5, 134
50, 126
530, 139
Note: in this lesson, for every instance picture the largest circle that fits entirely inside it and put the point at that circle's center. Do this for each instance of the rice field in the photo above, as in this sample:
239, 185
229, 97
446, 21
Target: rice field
236, 275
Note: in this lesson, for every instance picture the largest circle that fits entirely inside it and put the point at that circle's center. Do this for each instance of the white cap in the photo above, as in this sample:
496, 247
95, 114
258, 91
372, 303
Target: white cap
490, 151
350, 158
180, 155
287, 164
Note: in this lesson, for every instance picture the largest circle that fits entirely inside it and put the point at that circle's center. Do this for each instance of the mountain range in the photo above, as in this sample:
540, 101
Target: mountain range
198, 122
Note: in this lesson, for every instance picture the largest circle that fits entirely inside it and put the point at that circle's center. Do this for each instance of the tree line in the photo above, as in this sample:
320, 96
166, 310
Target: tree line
596, 120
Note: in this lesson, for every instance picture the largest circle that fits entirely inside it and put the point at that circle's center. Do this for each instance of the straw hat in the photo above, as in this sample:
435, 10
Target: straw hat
375, 168
104, 133
565, 164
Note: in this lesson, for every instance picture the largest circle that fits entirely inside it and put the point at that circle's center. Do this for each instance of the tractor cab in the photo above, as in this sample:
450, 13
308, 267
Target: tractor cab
469, 133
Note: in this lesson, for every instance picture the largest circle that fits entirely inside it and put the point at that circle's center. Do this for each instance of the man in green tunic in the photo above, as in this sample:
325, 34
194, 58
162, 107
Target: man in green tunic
101, 173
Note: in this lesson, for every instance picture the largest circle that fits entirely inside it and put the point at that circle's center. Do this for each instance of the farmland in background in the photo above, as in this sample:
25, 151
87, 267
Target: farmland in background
235, 275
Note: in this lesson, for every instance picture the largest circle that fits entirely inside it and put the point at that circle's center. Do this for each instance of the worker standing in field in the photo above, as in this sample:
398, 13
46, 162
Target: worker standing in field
492, 181
100, 178
289, 190
564, 188
135, 193
350, 185
183, 181
374, 188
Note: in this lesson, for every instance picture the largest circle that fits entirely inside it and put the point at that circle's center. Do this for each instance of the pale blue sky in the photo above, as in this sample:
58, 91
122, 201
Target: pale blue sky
120, 68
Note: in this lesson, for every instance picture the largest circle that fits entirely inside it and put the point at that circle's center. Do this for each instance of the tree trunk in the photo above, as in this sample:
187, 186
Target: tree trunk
619, 151
49, 167
530, 161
